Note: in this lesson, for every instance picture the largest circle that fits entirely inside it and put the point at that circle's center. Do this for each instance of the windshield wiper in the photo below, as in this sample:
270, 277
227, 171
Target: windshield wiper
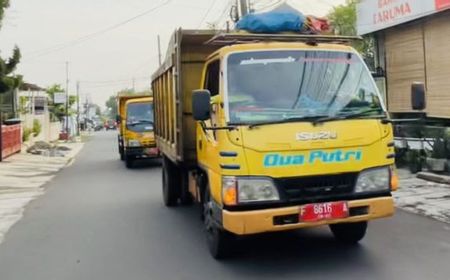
141, 122
287, 120
355, 115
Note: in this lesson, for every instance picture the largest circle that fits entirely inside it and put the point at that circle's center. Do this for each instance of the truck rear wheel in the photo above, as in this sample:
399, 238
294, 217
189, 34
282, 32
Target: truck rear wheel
220, 242
349, 233
129, 160
171, 183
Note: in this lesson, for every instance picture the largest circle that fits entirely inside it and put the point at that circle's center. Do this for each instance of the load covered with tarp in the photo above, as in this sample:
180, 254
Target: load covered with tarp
283, 19
272, 22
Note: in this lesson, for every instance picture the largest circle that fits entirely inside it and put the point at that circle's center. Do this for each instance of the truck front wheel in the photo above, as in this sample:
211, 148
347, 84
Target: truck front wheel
349, 233
171, 183
121, 150
220, 242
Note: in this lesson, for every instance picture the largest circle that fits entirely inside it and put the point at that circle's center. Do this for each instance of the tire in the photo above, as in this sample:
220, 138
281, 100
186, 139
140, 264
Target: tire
129, 160
121, 150
350, 233
171, 183
220, 242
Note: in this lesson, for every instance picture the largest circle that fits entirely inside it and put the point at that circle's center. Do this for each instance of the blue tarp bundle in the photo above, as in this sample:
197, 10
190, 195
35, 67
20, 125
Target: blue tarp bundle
272, 22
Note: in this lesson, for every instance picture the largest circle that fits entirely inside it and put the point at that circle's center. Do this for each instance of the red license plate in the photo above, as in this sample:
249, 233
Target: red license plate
324, 211
151, 151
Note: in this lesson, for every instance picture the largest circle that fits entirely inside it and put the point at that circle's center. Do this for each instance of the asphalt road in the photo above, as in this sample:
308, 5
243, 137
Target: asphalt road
99, 220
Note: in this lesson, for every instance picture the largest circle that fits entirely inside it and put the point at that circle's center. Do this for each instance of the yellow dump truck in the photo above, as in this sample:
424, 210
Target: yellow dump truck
272, 133
136, 138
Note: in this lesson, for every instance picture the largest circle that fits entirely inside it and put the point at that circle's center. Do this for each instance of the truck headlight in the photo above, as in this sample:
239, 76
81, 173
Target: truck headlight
374, 180
244, 190
134, 143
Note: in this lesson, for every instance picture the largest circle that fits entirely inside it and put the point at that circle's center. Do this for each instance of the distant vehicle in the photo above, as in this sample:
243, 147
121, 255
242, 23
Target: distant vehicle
110, 125
98, 126
136, 125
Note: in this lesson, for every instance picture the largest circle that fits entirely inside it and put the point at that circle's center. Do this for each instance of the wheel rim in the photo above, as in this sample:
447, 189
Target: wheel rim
208, 219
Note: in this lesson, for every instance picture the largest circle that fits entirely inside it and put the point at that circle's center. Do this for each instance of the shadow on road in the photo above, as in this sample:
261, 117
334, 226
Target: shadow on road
275, 255
147, 163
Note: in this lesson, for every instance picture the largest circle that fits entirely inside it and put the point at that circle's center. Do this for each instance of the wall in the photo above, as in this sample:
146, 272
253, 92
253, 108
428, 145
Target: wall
50, 130
418, 52
11, 140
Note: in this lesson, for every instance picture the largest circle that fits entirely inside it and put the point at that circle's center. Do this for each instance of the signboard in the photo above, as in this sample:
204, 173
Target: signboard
374, 15
40, 103
59, 98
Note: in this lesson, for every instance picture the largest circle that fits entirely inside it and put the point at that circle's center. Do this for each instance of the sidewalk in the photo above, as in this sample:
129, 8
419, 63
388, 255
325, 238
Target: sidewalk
423, 197
22, 177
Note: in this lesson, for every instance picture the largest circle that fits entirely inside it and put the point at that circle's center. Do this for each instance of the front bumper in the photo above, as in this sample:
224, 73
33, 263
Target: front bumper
280, 219
142, 152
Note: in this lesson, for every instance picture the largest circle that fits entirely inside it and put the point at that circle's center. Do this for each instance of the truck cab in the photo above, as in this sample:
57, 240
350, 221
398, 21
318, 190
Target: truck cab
136, 134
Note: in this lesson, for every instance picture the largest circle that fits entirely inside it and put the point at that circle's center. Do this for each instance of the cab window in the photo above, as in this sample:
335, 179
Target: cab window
213, 77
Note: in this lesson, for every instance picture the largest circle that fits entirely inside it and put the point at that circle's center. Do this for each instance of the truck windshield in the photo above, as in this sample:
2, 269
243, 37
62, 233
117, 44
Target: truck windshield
272, 86
140, 117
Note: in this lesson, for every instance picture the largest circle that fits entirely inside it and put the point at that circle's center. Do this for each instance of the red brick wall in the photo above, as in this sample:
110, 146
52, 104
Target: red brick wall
12, 139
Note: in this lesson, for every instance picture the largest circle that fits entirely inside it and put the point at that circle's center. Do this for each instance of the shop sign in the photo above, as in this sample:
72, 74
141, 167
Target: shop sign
374, 15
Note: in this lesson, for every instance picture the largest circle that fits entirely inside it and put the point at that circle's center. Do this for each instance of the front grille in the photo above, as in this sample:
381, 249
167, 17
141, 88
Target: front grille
147, 143
317, 188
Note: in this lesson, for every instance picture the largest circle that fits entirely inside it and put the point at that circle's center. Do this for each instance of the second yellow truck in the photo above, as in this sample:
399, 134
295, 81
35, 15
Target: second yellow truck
272, 133
136, 137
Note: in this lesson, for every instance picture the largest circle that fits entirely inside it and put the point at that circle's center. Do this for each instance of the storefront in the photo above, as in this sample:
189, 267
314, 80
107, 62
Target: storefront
413, 45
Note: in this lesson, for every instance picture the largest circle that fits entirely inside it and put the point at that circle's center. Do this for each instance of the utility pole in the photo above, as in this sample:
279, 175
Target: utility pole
244, 7
67, 99
159, 50
78, 108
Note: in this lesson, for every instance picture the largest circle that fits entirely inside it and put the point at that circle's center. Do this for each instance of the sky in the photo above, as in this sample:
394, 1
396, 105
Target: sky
110, 44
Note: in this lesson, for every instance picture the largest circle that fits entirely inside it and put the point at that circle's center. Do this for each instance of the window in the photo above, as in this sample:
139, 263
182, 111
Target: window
213, 77
140, 117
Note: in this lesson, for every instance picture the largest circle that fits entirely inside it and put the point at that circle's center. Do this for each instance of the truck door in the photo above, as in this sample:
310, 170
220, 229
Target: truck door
207, 149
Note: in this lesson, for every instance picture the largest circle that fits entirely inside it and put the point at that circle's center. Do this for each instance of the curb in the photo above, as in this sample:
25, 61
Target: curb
441, 179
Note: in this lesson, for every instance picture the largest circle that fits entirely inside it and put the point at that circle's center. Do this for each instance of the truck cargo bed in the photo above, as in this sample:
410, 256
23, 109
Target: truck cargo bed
172, 86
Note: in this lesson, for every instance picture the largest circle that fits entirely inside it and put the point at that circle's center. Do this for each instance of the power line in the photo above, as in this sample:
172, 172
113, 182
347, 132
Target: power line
273, 4
122, 80
207, 13
224, 13
72, 43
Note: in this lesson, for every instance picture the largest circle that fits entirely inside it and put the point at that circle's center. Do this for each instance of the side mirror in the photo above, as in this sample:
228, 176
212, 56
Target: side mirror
201, 104
418, 100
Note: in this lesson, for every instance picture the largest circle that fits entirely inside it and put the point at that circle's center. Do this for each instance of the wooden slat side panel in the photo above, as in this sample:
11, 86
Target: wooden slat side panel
405, 65
437, 42
173, 84
165, 120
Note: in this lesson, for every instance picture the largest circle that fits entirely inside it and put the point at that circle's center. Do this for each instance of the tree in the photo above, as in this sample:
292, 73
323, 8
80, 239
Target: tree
111, 105
59, 110
344, 19
7, 66
98, 110
3, 5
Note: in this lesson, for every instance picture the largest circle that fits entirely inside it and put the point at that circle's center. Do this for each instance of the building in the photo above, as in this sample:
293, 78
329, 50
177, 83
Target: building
412, 45
33, 107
